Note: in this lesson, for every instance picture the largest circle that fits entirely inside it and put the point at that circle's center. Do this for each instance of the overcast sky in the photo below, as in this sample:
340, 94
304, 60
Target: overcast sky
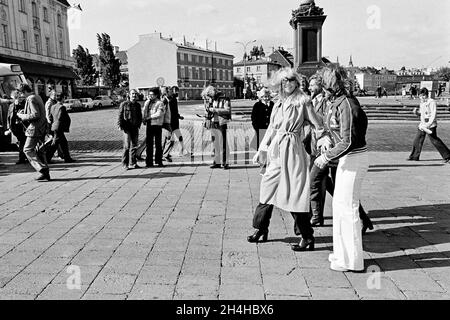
391, 33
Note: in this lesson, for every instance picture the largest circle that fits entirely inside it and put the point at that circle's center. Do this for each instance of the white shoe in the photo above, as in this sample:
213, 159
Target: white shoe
336, 267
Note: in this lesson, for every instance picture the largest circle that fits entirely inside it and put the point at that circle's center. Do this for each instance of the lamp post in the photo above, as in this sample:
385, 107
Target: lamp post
245, 53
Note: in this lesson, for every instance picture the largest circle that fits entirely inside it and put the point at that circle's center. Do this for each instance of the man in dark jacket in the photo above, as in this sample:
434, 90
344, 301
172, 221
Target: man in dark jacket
15, 126
130, 120
60, 123
34, 116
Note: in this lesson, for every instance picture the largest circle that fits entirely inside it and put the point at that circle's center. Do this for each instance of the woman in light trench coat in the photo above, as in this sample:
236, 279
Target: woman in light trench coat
285, 183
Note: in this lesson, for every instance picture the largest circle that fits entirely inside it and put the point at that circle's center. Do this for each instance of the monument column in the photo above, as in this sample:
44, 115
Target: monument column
307, 22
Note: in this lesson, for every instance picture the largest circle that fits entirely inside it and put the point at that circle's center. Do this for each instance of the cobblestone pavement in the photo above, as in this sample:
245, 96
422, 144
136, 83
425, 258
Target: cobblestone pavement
180, 232
97, 131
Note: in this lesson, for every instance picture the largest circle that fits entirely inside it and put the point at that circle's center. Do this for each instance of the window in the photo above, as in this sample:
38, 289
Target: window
258, 68
185, 57
5, 2
61, 50
59, 20
45, 14
37, 41
181, 56
47, 46
5, 35
34, 10
25, 40
201, 59
238, 70
248, 69
22, 7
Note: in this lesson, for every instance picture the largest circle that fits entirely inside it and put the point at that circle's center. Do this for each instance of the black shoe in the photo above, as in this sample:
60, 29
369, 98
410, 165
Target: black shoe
412, 159
149, 165
317, 221
45, 175
304, 245
254, 238
70, 160
168, 159
21, 162
367, 224
226, 167
215, 166
447, 160
161, 165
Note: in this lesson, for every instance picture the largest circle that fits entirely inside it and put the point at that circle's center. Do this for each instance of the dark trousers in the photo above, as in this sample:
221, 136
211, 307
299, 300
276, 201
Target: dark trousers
20, 144
130, 145
438, 144
319, 180
154, 136
60, 143
302, 223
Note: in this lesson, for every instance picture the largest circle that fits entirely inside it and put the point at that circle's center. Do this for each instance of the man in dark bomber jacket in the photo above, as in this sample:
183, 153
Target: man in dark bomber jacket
130, 120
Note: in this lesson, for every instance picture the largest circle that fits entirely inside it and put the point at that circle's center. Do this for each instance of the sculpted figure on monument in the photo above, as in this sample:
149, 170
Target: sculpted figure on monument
307, 8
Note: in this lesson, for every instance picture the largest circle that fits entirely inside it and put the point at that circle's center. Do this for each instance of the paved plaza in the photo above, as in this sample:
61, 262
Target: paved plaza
179, 232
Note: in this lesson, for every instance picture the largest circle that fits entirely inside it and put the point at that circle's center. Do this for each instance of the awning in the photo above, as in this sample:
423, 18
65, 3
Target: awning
42, 69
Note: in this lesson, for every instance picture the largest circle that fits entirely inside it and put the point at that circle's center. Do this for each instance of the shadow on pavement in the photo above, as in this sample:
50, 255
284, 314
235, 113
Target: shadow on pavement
423, 232
406, 165
158, 175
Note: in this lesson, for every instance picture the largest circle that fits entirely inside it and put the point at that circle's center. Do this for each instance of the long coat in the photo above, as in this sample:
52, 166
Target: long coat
286, 182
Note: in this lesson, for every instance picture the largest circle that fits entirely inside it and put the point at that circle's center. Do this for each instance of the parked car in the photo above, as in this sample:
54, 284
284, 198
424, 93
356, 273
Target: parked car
88, 103
103, 101
73, 105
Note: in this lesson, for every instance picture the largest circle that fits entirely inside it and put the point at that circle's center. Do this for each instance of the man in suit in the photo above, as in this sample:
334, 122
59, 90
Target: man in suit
34, 115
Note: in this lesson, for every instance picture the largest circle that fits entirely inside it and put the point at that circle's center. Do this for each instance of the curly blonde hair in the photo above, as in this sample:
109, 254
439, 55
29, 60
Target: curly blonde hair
276, 84
209, 92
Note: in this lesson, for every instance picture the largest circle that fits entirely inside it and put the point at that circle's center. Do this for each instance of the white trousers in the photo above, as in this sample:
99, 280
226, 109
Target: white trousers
347, 234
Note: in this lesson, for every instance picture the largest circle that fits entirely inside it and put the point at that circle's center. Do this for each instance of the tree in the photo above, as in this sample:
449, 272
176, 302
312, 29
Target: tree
109, 64
255, 52
84, 66
261, 51
443, 73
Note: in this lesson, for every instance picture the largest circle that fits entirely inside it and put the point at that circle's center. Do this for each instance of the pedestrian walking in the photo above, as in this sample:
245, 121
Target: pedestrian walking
60, 124
129, 121
261, 114
428, 126
346, 124
175, 118
286, 180
34, 117
218, 113
153, 117
15, 125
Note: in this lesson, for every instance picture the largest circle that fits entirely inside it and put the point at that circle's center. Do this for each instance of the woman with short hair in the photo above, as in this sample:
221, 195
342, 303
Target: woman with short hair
261, 114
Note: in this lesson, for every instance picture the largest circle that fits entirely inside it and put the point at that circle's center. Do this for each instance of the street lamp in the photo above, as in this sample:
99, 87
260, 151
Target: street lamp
245, 52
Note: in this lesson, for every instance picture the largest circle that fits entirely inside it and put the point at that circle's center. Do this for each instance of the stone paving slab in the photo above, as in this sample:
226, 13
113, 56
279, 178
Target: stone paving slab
180, 233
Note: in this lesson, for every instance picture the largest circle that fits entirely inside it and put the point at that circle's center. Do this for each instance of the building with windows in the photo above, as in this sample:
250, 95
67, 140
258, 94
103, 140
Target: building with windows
259, 70
158, 61
35, 35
